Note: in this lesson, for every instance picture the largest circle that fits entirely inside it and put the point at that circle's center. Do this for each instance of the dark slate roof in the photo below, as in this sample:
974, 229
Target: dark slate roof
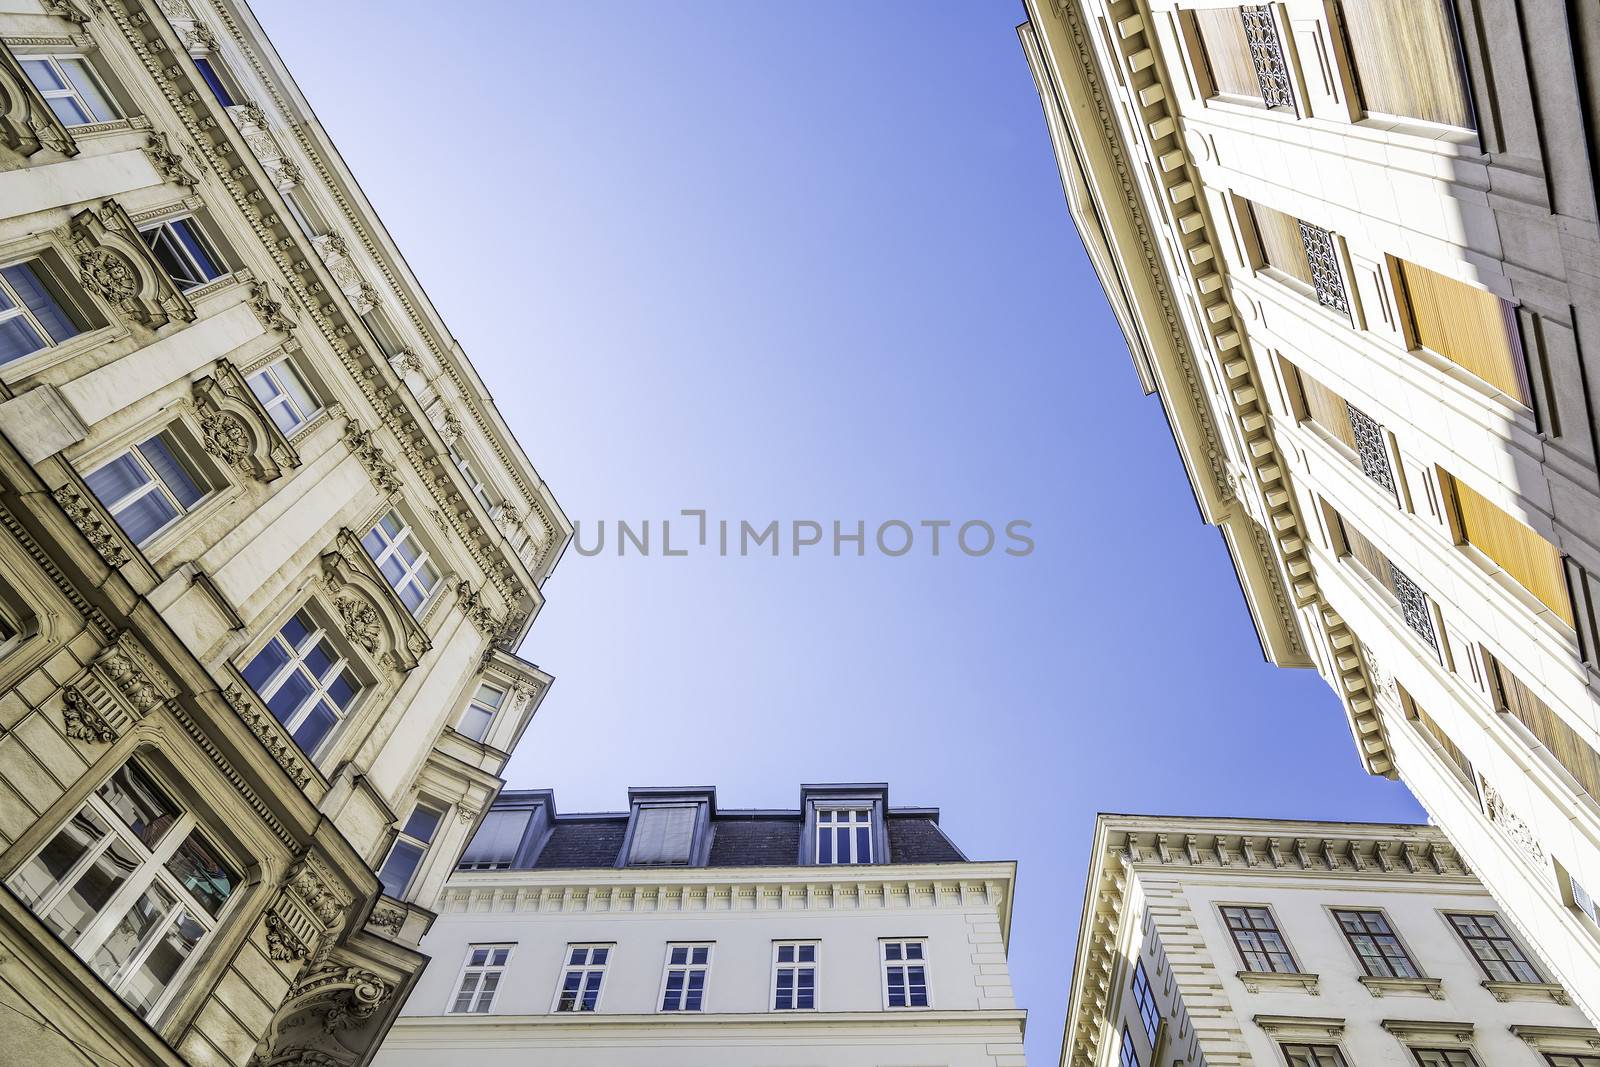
755, 841
918, 839
581, 841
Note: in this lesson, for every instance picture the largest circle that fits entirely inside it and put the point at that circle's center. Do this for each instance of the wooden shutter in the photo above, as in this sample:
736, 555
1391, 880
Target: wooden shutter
1428, 723
1569, 750
1534, 562
662, 835
1227, 51
1470, 327
1369, 555
1281, 244
1326, 408
1407, 59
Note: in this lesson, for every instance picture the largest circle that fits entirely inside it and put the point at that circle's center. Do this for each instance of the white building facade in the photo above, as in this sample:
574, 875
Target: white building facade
1353, 247
268, 552
679, 934
1235, 942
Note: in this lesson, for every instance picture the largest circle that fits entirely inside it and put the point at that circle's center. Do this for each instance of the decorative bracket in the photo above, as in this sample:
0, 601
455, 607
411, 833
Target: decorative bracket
115, 264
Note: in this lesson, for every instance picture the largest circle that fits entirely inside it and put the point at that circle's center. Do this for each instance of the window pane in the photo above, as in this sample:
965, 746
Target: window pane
139, 803
209, 74
294, 692
43, 75
31, 290
399, 867
491, 695
319, 721
146, 914
203, 873
319, 659
296, 387
159, 967
88, 87
164, 461
343, 690
116, 479
266, 663
18, 339
475, 722
145, 517
188, 235
83, 902
422, 823
297, 629
66, 848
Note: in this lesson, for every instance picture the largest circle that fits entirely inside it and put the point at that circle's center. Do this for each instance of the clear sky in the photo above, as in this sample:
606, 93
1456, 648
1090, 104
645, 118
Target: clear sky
812, 261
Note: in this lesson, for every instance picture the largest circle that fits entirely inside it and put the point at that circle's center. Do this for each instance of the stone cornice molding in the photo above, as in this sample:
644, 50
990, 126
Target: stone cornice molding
27, 125
154, 40
366, 609
1221, 335
1303, 1026
717, 1026
1432, 1032
1558, 1039
236, 429
116, 265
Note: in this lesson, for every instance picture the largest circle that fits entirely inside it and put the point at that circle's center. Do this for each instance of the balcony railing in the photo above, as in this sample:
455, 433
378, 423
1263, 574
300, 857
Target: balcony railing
1371, 447
1413, 605
1266, 52
1324, 261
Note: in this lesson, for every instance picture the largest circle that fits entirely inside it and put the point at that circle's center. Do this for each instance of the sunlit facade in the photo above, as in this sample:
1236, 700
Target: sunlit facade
268, 553
1352, 245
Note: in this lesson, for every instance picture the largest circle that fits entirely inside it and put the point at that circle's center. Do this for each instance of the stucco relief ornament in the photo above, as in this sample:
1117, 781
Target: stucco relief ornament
282, 943
66, 9
326, 903
268, 310
134, 678
81, 721
226, 438
168, 163
1494, 806
107, 274
359, 621
86, 517
388, 918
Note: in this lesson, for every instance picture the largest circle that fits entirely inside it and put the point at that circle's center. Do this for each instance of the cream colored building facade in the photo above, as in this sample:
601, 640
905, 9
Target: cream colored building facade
1233, 942
268, 553
1353, 247
680, 934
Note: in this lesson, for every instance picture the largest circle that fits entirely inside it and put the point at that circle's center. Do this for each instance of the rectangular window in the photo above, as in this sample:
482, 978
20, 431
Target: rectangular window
905, 973
1530, 560
684, 986
69, 85
149, 486
388, 341
581, 976
1312, 1056
662, 835
1145, 998
1443, 1057
1255, 934
1227, 52
844, 835
131, 885
1375, 943
208, 72
494, 846
1568, 1059
480, 979
183, 251
1496, 951
1406, 59
283, 391
1446, 744
1561, 741
794, 975
32, 317
481, 710
470, 473
1128, 1055
1412, 602
305, 680
405, 855
1471, 327
398, 552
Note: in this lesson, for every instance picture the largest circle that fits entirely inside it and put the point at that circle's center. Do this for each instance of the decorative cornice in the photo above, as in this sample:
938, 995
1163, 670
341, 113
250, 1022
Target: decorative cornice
1431, 1031
267, 730
1300, 1025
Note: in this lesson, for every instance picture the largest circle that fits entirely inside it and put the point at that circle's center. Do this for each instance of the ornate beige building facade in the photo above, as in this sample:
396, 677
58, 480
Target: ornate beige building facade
1352, 245
268, 553
1258, 943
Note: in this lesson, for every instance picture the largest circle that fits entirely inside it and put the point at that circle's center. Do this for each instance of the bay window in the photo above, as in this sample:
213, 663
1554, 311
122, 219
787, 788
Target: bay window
481, 710
405, 855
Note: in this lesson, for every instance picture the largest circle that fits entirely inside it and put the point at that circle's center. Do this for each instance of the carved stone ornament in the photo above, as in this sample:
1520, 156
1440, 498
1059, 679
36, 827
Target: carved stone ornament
82, 720
282, 942
68, 10
271, 312
27, 125
331, 1017
1510, 823
476, 609
236, 429
91, 521
168, 162
365, 447
134, 673
115, 264
272, 737
405, 361
335, 253
387, 917
370, 614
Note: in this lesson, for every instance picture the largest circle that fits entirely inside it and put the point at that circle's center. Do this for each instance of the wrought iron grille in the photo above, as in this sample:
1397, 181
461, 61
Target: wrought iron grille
1267, 54
1325, 277
1413, 605
1370, 444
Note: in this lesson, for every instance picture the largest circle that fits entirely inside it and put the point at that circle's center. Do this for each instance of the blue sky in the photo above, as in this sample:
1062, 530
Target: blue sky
813, 262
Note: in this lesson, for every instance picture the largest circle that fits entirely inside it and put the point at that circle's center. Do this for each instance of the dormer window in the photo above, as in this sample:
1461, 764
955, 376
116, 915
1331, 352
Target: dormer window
844, 835
662, 835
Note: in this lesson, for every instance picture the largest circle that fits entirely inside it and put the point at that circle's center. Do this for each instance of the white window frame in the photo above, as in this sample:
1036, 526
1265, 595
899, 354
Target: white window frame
885, 964
480, 973
475, 704
469, 471
273, 372
412, 570
586, 969
169, 436
152, 869
19, 309
424, 845
689, 969
319, 687
74, 91
182, 251
832, 813
815, 967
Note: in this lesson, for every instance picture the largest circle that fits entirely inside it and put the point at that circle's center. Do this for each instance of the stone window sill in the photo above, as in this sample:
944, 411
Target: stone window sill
1256, 981
1504, 991
1404, 987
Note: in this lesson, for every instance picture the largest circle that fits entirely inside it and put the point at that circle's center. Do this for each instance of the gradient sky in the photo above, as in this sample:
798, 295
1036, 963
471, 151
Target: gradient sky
787, 261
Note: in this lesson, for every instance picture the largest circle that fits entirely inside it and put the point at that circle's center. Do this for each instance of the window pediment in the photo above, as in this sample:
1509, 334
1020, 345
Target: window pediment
236, 429
115, 264
27, 125
369, 613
